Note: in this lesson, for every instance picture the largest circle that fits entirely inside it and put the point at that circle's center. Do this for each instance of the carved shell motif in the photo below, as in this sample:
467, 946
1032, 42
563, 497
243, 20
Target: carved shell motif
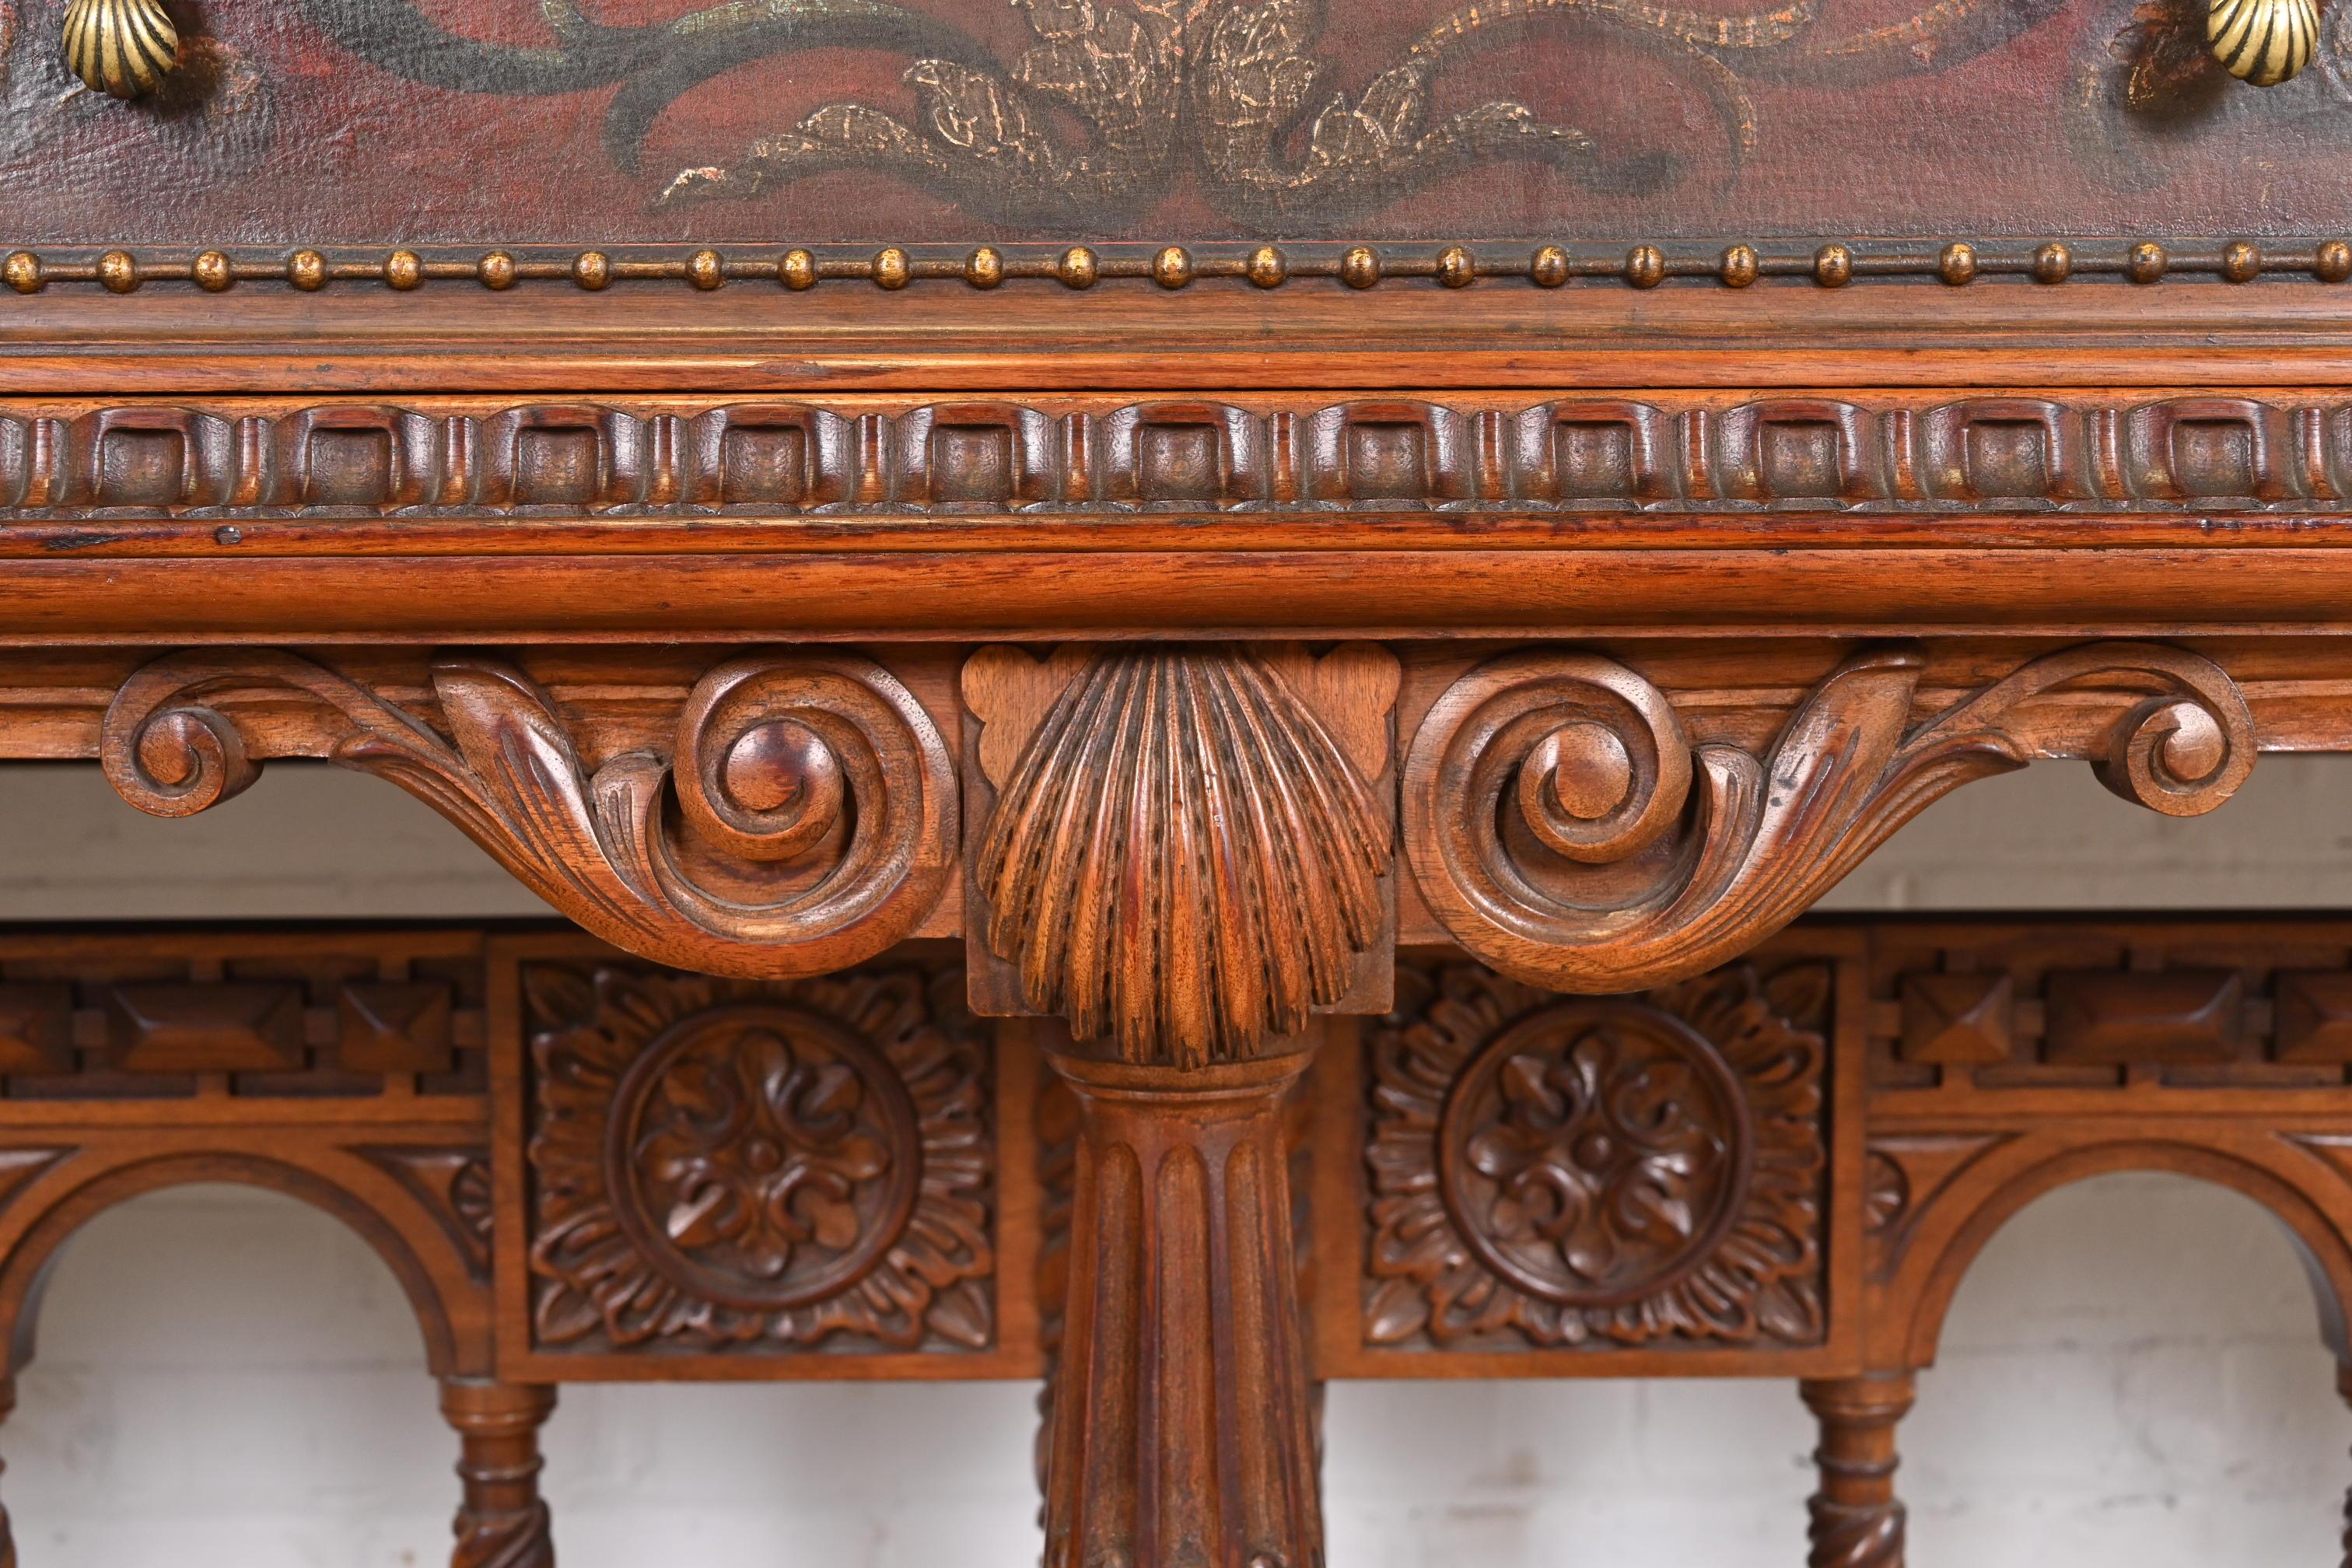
2262, 41
1183, 861
124, 47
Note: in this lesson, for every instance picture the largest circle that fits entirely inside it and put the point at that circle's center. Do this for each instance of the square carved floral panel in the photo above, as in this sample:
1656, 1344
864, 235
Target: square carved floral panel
734, 1170
1597, 1174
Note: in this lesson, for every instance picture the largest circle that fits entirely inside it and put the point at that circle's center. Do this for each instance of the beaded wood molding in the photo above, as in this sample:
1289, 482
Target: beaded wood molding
1372, 456
1831, 265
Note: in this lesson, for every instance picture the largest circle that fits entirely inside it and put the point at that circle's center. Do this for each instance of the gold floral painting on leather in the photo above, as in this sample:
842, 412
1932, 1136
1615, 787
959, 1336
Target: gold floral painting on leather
910, 121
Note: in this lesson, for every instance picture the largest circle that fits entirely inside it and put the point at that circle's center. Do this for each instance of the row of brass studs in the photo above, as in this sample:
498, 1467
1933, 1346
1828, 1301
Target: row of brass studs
1080, 266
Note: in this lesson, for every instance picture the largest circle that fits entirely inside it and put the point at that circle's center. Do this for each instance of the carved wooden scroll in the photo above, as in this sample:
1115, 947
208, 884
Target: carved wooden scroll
1562, 826
1187, 856
804, 819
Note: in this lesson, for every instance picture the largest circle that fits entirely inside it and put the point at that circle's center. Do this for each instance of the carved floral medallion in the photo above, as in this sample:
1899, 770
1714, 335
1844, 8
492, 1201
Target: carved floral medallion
1623, 1170
719, 1163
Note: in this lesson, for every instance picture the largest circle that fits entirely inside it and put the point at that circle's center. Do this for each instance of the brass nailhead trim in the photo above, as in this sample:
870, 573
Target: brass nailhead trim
1361, 267
1078, 269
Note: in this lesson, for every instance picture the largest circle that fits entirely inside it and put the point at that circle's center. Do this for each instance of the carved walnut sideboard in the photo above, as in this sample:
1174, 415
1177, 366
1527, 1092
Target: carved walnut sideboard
1183, 663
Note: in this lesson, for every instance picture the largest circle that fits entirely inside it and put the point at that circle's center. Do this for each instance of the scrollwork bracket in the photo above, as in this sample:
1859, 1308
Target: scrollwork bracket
804, 817
1564, 829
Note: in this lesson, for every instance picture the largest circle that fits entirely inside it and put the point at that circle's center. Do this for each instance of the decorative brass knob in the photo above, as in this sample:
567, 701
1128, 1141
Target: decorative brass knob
120, 47
2262, 41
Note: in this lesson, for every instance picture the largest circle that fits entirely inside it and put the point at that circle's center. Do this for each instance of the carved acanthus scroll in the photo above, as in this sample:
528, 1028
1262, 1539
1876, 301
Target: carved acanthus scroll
1185, 860
804, 820
1563, 827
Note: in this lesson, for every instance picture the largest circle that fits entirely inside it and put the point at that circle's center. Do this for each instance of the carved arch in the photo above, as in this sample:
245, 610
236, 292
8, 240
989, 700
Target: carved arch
450, 1301
1933, 1248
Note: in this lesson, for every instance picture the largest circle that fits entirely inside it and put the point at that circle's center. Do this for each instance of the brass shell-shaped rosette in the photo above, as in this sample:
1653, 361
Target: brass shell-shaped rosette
2262, 41
125, 47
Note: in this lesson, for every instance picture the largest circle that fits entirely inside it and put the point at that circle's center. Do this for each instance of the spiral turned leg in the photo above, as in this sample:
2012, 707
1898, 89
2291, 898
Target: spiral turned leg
7, 1534
503, 1523
1857, 1521
2343, 1387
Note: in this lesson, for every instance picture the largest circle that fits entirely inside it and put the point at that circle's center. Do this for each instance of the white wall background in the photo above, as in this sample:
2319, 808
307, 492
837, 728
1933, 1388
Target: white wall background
2131, 1378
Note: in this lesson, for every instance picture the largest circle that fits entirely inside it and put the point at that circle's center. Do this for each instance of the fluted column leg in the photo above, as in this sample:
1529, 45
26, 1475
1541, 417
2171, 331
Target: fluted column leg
1857, 1521
1183, 1433
503, 1523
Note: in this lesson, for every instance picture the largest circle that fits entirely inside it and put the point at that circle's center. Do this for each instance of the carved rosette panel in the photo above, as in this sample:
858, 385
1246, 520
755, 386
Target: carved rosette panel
804, 820
1185, 861
1564, 829
1630, 1170
719, 1165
